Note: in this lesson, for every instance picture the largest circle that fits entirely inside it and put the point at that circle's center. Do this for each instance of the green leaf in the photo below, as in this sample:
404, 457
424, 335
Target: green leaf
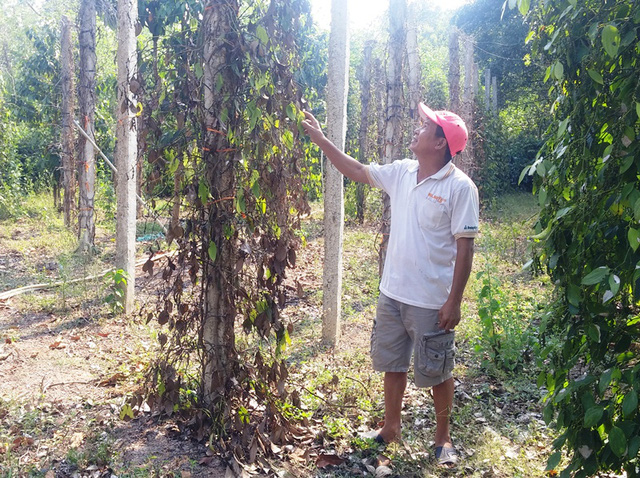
287, 139
573, 295
630, 403
614, 284
593, 331
255, 188
605, 380
634, 238
198, 70
291, 112
563, 212
553, 461
610, 40
634, 446
523, 6
219, 82
523, 174
262, 35
203, 192
213, 251
530, 36
592, 416
562, 127
126, 412
596, 76
561, 395
558, 70
241, 204
617, 441
626, 164
595, 276
629, 135
542, 197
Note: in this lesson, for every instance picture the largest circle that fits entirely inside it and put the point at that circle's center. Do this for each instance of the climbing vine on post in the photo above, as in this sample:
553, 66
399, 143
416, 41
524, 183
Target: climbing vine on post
243, 186
587, 182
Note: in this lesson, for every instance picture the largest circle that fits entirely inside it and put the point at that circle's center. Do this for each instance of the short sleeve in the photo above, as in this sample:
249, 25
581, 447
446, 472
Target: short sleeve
386, 176
465, 214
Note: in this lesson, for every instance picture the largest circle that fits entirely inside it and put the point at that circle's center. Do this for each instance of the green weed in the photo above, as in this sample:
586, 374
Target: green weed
116, 282
507, 339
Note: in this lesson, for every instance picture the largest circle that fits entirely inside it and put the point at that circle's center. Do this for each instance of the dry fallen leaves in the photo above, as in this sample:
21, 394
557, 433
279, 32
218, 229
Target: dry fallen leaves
21, 441
77, 439
113, 380
325, 460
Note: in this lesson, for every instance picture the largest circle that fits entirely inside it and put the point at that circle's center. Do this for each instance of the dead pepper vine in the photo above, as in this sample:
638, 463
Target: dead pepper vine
242, 159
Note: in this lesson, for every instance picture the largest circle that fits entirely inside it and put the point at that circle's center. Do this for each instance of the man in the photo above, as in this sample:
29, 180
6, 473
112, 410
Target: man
434, 220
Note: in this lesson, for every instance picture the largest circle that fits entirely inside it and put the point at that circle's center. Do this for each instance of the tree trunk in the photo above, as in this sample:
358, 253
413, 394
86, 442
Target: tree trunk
219, 251
413, 64
466, 160
337, 89
365, 121
494, 95
487, 89
87, 95
380, 98
127, 150
454, 71
394, 116
68, 170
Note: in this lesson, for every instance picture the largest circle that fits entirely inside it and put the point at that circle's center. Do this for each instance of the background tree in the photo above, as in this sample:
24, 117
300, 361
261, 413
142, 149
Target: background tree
87, 107
507, 137
454, 70
364, 140
393, 133
69, 180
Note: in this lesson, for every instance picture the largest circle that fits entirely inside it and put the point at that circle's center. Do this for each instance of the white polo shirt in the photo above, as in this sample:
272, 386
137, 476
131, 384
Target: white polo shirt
426, 220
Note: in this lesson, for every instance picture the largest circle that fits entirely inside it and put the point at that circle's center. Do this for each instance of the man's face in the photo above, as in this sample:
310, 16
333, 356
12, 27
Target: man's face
424, 137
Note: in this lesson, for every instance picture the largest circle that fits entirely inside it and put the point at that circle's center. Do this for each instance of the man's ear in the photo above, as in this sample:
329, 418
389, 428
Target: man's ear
441, 143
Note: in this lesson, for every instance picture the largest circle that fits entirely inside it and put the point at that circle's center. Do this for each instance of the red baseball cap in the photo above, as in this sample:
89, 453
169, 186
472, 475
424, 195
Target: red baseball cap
455, 131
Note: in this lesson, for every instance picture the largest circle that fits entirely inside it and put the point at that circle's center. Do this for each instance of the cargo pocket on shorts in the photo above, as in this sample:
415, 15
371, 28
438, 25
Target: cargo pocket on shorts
437, 354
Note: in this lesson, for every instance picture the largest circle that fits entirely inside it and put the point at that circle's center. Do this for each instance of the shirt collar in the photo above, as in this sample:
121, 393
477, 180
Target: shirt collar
445, 171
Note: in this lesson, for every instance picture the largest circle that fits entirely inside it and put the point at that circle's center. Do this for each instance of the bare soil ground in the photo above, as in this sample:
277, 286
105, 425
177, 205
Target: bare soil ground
68, 365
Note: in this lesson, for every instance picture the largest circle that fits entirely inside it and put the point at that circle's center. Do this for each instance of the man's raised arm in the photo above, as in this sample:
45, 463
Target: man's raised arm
343, 162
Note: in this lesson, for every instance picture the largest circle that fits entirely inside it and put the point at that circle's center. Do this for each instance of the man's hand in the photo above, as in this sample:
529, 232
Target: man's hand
449, 315
343, 162
312, 128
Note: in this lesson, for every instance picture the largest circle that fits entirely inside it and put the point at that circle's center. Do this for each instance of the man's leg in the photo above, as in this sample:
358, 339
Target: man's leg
443, 403
394, 385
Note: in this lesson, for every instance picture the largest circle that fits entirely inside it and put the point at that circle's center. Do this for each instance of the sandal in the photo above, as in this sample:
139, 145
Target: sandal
446, 456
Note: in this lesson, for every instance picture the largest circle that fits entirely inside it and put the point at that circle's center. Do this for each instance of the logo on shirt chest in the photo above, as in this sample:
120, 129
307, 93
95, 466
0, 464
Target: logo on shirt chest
434, 198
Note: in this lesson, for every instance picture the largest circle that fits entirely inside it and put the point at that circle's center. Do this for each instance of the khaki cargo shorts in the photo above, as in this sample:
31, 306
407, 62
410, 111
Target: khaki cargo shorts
400, 331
